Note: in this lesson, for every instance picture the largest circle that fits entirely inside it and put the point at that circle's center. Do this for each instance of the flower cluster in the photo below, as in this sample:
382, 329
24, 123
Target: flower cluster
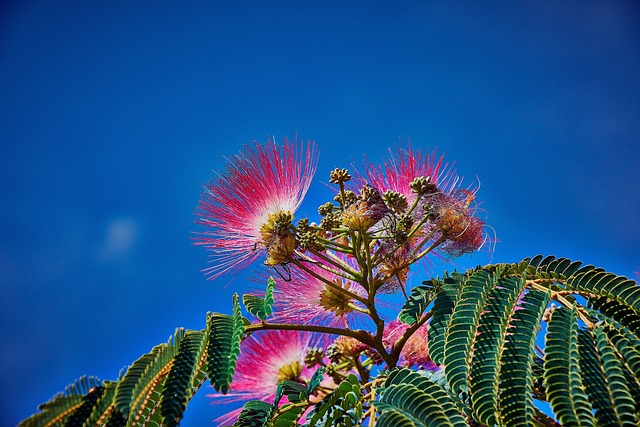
380, 221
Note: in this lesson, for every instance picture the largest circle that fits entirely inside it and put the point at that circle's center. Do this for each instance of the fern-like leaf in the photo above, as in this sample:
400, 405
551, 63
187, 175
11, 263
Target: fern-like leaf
516, 379
425, 381
443, 306
62, 405
224, 346
401, 403
178, 384
462, 328
421, 296
618, 288
255, 413
488, 348
616, 382
563, 378
259, 306
343, 406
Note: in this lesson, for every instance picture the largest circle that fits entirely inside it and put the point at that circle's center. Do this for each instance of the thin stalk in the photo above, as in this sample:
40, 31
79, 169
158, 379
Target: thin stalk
359, 334
330, 283
339, 264
430, 248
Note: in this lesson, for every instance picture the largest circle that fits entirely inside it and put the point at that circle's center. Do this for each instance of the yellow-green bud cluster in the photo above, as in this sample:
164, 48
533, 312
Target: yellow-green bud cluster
326, 209
423, 185
338, 176
313, 357
397, 202
347, 198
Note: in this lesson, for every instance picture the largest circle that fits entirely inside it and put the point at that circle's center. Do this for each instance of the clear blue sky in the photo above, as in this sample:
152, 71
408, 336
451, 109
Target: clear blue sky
113, 115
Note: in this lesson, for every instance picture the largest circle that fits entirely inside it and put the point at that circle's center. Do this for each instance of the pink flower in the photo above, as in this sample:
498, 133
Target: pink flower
239, 209
415, 350
451, 211
403, 166
267, 358
307, 299
464, 232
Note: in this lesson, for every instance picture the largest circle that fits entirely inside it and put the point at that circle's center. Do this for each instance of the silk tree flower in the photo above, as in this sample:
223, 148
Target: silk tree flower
463, 231
402, 167
247, 210
414, 352
451, 211
267, 358
305, 298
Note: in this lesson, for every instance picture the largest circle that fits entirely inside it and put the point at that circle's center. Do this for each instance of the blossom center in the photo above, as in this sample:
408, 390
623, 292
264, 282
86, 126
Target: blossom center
290, 371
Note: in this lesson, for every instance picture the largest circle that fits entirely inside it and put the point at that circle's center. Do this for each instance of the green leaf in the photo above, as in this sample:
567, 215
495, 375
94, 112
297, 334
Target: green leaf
259, 306
426, 382
442, 308
621, 313
255, 413
56, 410
316, 379
489, 346
341, 407
595, 381
618, 390
83, 412
178, 386
421, 296
139, 375
462, 328
406, 402
562, 375
516, 379
618, 288
224, 346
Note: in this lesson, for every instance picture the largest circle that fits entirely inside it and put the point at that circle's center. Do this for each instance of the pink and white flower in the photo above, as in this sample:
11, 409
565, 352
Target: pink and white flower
307, 299
403, 166
257, 185
267, 358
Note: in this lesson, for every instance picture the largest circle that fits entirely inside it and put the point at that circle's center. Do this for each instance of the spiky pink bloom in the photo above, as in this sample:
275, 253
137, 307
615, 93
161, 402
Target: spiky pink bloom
453, 209
260, 181
414, 352
267, 358
306, 299
402, 167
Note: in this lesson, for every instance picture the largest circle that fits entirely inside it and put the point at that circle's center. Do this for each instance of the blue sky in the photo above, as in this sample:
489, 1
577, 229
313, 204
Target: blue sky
113, 115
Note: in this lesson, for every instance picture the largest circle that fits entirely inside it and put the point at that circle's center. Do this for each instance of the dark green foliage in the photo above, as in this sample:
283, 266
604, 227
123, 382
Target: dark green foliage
421, 296
622, 313
178, 385
442, 308
259, 306
462, 328
483, 330
342, 407
316, 379
516, 380
488, 347
563, 377
224, 346
80, 415
255, 413
595, 380
409, 398
131, 389
116, 419
63, 405
614, 287
428, 382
